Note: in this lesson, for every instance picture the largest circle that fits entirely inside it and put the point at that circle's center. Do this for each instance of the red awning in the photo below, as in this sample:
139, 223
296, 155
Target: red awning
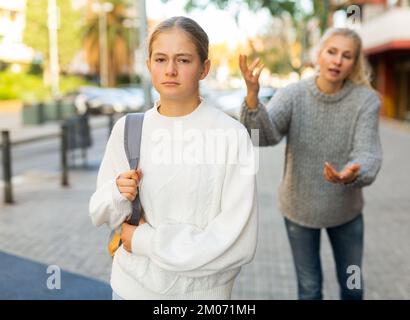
389, 46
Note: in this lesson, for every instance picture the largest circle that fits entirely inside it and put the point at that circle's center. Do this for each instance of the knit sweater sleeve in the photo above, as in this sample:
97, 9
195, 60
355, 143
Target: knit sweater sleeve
107, 205
367, 151
227, 241
272, 121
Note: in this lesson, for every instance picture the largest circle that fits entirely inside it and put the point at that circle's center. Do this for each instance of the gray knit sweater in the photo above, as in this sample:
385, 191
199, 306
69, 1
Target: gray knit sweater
340, 128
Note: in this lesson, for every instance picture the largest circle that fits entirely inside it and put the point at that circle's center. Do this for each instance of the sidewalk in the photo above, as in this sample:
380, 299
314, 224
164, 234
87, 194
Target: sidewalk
12, 121
50, 225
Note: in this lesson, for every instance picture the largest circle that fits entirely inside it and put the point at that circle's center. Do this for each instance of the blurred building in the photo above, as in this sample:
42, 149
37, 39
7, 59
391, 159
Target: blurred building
12, 21
386, 38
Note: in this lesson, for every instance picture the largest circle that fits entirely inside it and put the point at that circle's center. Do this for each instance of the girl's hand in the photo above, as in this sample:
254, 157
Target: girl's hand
348, 175
128, 182
251, 76
127, 231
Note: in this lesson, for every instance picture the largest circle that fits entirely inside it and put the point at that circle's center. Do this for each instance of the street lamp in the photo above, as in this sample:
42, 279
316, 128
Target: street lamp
146, 84
102, 9
131, 25
53, 21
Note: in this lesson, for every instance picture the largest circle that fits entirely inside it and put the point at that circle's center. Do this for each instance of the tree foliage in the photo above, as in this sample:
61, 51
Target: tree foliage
36, 31
121, 41
280, 52
275, 7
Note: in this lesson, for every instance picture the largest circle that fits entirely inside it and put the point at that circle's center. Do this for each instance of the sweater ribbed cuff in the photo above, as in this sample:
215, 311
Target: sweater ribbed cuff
251, 110
120, 203
141, 239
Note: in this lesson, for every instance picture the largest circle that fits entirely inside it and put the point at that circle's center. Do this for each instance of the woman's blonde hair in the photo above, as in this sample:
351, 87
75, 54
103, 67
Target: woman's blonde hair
361, 73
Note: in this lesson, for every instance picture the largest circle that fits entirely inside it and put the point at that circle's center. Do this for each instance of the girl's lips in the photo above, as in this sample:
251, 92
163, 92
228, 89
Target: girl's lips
170, 83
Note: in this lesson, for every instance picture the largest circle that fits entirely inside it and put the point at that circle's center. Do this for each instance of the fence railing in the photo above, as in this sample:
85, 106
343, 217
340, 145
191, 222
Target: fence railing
74, 133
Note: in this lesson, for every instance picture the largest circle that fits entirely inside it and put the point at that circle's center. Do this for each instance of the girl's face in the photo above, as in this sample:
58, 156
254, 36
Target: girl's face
337, 59
175, 66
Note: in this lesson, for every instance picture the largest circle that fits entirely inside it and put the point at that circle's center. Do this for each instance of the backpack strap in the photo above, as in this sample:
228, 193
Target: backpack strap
132, 145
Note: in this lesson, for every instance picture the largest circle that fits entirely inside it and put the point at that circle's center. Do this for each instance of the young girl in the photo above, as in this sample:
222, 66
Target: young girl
330, 122
195, 181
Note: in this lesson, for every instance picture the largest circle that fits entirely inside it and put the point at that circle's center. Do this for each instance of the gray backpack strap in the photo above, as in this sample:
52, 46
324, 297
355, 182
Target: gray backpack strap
132, 144
132, 138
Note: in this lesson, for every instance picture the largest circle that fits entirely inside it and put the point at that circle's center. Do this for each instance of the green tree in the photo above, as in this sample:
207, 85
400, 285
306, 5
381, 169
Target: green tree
278, 51
36, 31
322, 9
121, 41
275, 7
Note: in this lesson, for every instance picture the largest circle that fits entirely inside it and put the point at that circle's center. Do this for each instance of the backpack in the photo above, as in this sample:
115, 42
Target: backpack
132, 145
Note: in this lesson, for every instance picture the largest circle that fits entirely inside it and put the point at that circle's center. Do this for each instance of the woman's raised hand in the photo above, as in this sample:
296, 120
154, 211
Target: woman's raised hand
348, 175
128, 182
251, 75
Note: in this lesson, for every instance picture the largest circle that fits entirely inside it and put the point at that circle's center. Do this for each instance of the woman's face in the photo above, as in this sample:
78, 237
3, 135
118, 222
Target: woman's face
337, 59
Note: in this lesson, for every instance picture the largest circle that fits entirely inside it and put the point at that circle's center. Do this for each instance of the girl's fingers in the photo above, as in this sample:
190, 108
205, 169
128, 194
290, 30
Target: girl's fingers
139, 174
127, 174
135, 177
127, 183
129, 196
128, 190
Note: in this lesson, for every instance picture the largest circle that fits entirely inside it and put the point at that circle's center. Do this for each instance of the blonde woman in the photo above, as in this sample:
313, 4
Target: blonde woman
330, 122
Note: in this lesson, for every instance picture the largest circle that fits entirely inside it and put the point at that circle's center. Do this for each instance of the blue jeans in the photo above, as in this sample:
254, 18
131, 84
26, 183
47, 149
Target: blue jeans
347, 245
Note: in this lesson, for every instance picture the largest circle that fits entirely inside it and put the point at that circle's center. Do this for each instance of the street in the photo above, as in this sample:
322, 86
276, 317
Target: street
50, 224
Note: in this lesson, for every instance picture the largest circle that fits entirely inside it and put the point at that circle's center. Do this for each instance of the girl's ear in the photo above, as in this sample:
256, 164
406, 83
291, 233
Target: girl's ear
205, 70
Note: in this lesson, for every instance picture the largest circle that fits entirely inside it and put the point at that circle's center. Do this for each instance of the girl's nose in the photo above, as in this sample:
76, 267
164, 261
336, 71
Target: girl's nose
171, 69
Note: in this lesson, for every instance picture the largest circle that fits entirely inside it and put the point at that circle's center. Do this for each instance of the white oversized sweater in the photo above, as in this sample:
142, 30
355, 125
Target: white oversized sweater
198, 192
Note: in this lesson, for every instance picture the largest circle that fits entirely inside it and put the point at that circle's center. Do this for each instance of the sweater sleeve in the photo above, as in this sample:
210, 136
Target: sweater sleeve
272, 121
229, 239
107, 205
367, 150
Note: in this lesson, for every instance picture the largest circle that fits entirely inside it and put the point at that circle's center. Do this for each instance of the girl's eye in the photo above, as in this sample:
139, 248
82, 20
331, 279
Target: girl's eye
331, 51
348, 57
159, 60
184, 60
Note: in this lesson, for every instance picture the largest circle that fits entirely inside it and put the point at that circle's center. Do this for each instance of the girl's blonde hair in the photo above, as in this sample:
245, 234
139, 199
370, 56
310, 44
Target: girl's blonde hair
197, 35
361, 73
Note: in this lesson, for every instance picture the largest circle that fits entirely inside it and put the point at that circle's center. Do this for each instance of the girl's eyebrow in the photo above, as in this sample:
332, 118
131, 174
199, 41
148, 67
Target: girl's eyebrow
177, 55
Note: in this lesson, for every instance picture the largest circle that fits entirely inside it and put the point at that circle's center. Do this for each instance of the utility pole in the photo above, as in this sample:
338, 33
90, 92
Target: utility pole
102, 9
53, 22
146, 83
131, 24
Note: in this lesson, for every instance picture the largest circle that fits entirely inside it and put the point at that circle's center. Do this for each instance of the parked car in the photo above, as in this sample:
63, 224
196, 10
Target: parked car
231, 102
97, 100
